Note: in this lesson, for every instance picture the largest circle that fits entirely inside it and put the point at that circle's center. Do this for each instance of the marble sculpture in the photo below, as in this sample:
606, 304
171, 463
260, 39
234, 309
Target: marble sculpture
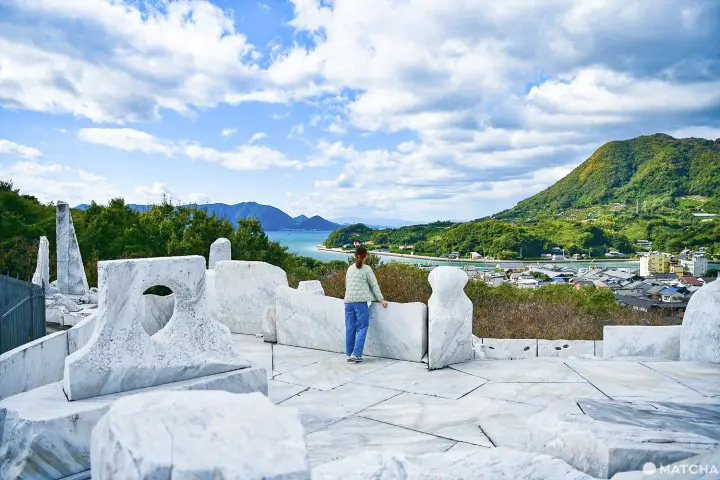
700, 332
122, 355
70, 269
42, 270
311, 286
220, 250
243, 291
450, 314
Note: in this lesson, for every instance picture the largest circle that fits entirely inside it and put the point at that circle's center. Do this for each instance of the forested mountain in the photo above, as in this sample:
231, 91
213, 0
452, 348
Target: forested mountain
270, 217
654, 170
651, 187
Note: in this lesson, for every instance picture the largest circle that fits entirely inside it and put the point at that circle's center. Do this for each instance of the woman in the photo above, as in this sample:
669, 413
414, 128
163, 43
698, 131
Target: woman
361, 287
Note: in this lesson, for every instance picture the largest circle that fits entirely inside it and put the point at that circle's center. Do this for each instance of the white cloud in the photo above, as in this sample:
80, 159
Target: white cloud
127, 139
196, 197
228, 132
256, 137
709, 133
296, 131
11, 148
155, 193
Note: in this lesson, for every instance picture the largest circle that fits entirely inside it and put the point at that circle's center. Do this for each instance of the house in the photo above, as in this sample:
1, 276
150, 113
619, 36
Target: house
672, 294
493, 279
664, 277
511, 267
614, 253
695, 264
654, 262
579, 283
475, 256
691, 282
532, 283
369, 242
647, 304
356, 243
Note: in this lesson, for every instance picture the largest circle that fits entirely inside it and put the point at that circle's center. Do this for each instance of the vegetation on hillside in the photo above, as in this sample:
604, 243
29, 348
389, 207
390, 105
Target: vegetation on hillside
646, 188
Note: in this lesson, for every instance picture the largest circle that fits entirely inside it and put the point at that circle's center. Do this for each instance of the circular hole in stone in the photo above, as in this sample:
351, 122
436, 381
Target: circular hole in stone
159, 305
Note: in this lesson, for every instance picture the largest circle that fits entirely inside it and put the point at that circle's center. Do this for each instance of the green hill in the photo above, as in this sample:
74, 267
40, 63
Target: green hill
644, 188
655, 169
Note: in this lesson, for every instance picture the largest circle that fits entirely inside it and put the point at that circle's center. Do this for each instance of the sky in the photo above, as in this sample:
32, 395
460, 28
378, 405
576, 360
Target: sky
413, 109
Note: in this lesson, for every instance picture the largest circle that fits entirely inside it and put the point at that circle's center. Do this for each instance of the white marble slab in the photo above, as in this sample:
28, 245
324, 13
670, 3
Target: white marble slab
311, 286
332, 373
70, 270
255, 351
416, 378
244, 290
509, 348
630, 379
662, 342
598, 348
700, 339
602, 448
34, 364
165, 435
220, 250
279, 391
319, 409
352, 435
538, 370
314, 321
122, 356
41, 276
50, 436
701, 377
450, 318
287, 358
539, 394
451, 419
80, 334
565, 348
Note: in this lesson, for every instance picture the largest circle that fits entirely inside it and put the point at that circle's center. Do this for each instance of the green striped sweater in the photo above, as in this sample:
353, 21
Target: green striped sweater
361, 285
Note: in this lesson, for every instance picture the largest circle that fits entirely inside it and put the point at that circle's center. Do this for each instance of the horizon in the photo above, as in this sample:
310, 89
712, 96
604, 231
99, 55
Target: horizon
331, 108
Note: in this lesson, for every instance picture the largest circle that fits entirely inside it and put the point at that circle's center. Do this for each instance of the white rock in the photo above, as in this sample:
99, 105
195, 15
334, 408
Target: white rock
42, 270
509, 348
455, 464
478, 351
70, 270
311, 286
89, 298
79, 335
269, 325
565, 348
121, 355
244, 291
199, 435
220, 251
31, 365
73, 318
661, 342
158, 311
60, 300
43, 435
450, 318
700, 338
211, 294
598, 348
313, 321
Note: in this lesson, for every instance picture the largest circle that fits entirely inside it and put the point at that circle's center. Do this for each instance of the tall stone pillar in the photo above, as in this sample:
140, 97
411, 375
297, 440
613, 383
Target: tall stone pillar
70, 270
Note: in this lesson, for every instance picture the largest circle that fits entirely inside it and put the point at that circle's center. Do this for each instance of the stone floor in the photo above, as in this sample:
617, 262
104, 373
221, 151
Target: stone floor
389, 405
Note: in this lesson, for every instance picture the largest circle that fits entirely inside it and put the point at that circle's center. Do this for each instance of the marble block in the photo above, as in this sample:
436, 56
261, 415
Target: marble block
34, 364
157, 312
121, 355
702, 377
211, 294
313, 321
44, 435
527, 370
269, 325
603, 448
70, 270
509, 348
598, 348
311, 286
42, 269
565, 348
199, 435
477, 464
661, 342
220, 251
244, 291
80, 334
450, 319
700, 333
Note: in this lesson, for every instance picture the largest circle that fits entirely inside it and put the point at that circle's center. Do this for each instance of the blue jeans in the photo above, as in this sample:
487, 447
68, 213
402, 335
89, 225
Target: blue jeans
357, 320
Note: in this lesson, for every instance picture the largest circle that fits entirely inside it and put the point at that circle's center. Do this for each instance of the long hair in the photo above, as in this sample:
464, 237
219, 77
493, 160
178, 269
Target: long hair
360, 254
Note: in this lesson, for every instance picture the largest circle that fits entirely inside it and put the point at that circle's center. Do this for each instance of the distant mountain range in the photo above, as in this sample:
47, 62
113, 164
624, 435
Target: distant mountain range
272, 218
374, 222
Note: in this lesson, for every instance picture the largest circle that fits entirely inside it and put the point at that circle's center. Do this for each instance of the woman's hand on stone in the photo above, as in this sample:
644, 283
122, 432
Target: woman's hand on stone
384, 303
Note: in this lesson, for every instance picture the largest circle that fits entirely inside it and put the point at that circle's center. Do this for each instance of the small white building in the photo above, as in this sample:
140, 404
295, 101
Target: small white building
695, 265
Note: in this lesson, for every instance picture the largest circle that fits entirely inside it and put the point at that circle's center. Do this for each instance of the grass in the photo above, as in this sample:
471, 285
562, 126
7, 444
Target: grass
553, 312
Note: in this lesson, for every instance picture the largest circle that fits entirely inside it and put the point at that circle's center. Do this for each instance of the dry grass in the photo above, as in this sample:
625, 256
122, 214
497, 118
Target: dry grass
554, 312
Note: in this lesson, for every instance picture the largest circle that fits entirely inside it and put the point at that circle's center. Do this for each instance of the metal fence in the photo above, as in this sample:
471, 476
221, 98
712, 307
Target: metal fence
22, 312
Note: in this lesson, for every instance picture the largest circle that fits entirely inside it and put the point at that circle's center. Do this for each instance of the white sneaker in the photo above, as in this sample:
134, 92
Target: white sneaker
352, 359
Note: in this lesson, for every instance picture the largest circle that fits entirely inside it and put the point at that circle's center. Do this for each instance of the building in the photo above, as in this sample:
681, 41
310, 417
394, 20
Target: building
475, 256
654, 262
695, 264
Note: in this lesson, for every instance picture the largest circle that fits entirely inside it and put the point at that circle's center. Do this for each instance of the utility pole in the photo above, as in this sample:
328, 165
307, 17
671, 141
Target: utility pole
637, 206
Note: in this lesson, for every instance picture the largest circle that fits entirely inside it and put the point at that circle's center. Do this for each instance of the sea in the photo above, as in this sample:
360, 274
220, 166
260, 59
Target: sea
304, 242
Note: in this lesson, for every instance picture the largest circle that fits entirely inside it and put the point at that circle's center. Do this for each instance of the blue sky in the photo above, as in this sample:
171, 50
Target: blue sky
415, 109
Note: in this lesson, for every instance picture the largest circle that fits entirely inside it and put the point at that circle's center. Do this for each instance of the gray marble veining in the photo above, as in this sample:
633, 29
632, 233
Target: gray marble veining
534, 370
699, 376
332, 373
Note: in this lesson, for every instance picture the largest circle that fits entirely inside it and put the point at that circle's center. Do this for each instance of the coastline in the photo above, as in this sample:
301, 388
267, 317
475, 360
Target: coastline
480, 262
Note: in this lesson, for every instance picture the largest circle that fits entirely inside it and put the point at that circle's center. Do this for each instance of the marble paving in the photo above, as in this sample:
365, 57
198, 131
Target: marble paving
390, 405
